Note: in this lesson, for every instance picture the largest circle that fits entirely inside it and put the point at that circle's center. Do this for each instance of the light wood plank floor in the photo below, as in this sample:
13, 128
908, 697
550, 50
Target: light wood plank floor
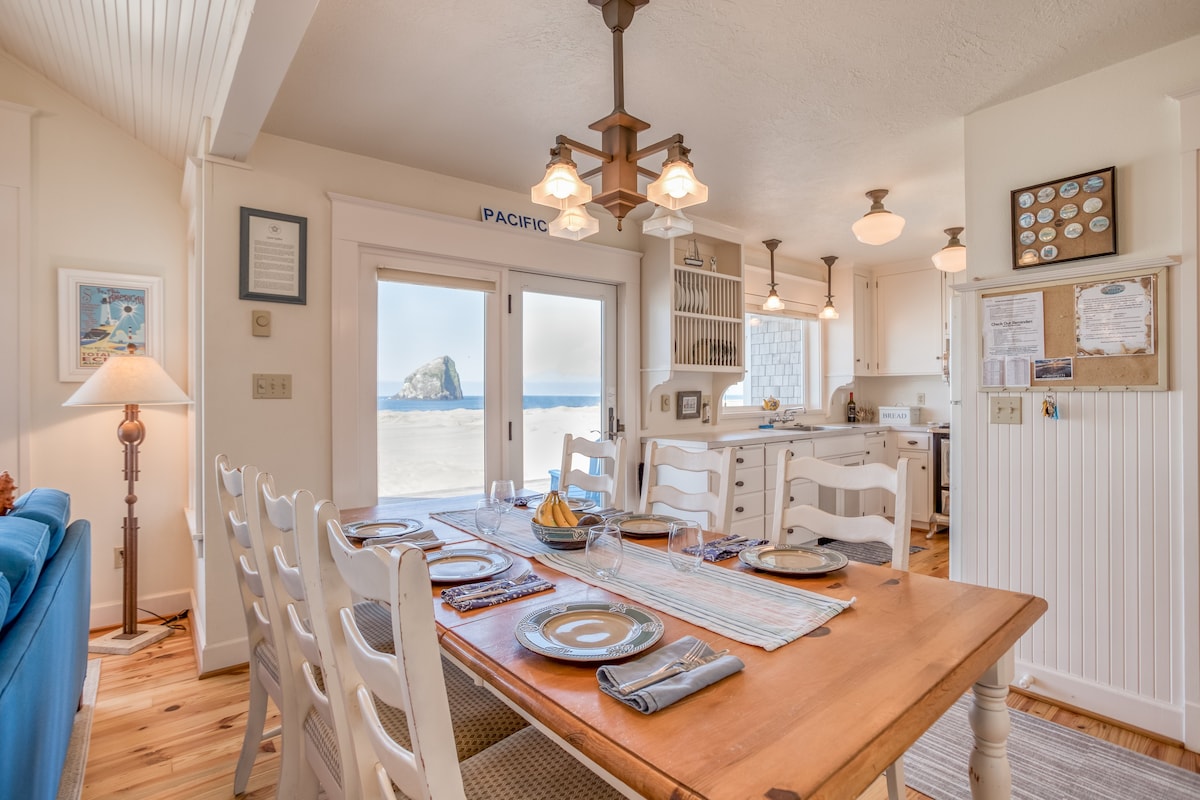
158, 732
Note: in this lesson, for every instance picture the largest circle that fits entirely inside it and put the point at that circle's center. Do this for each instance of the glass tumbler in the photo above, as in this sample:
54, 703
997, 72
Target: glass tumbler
685, 545
604, 551
488, 513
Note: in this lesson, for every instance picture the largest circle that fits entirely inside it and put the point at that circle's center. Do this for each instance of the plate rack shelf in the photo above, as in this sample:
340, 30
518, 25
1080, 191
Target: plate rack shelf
707, 320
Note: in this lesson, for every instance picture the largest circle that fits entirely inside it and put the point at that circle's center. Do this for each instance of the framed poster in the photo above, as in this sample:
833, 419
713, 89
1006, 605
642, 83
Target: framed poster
1065, 219
274, 255
102, 313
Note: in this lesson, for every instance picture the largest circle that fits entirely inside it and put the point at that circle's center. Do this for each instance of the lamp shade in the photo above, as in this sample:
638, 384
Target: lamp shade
574, 222
877, 226
952, 257
667, 224
828, 312
677, 187
128, 380
773, 303
561, 187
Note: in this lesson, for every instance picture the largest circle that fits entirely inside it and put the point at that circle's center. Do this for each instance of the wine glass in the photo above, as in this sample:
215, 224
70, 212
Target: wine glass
503, 491
685, 545
488, 513
604, 550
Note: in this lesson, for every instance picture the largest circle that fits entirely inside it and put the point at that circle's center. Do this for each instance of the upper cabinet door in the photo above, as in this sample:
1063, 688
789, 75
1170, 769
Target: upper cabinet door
908, 308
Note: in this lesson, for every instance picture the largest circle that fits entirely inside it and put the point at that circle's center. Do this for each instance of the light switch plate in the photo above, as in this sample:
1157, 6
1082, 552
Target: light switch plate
260, 322
1005, 411
664, 402
269, 386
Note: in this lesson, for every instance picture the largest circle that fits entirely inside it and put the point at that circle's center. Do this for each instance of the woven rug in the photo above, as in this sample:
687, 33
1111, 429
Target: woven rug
866, 552
1049, 762
70, 785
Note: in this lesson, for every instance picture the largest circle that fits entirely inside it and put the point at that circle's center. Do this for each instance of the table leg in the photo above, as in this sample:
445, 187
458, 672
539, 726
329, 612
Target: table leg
991, 777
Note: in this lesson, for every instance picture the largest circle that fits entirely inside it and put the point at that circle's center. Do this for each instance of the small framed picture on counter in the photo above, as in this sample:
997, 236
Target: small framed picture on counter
687, 405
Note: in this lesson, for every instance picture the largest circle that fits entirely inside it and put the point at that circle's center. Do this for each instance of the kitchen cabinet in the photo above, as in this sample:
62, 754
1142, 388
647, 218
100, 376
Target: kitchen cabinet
871, 501
798, 491
915, 447
909, 323
748, 500
864, 325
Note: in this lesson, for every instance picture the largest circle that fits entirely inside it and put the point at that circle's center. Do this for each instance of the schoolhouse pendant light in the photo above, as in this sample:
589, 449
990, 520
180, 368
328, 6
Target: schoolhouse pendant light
828, 312
674, 188
667, 224
574, 223
878, 226
952, 257
773, 302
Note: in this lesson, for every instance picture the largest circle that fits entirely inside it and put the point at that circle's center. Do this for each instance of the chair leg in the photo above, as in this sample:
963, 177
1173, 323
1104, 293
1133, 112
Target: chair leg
296, 779
895, 779
256, 718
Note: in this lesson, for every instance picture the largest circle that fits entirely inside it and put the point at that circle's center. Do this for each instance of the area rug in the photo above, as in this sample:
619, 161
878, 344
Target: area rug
1049, 762
70, 785
866, 552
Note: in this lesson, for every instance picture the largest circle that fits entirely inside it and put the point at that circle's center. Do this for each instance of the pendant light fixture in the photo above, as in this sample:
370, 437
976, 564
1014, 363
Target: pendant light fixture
674, 188
952, 257
878, 226
828, 312
773, 302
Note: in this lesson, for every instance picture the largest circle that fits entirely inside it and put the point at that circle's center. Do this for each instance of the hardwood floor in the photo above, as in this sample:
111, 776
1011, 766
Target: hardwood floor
158, 732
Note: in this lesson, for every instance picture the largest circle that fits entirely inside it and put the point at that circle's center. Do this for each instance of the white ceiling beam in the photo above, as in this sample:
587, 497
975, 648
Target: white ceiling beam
266, 37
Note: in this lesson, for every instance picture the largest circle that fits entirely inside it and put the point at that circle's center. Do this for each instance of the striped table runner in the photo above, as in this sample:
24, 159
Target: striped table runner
515, 533
734, 604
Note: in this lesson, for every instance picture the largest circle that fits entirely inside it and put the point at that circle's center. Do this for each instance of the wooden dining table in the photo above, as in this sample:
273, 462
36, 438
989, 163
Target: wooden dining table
820, 717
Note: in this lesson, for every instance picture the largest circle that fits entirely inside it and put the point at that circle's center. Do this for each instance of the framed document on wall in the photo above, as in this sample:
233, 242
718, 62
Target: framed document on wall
273, 257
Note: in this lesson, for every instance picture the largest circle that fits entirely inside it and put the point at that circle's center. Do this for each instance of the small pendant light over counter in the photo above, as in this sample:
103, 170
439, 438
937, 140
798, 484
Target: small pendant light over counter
773, 302
952, 257
878, 226
828, 312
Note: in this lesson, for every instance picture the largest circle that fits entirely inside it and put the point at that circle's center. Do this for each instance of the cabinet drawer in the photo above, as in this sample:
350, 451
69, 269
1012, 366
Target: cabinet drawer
750, 505
840, 445
752, 527
747, 479
799, 447
912, 441
747, 455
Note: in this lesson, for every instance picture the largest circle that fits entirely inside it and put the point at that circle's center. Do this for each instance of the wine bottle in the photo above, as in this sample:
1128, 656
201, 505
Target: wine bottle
851, 410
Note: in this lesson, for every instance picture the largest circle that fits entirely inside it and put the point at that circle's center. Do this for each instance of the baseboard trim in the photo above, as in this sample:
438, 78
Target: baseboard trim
167, 604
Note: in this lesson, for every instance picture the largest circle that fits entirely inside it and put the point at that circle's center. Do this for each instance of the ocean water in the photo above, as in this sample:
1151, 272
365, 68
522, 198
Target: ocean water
476, 402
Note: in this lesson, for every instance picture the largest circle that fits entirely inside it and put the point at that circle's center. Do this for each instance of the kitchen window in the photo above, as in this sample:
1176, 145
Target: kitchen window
782, 361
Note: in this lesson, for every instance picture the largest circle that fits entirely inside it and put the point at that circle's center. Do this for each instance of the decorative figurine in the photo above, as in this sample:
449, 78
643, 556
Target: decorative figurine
8, 488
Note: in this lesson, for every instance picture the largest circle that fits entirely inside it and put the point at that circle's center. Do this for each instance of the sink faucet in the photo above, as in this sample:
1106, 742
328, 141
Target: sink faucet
785, 416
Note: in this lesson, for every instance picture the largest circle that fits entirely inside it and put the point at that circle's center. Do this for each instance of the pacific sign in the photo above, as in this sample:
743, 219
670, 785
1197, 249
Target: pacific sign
510, 219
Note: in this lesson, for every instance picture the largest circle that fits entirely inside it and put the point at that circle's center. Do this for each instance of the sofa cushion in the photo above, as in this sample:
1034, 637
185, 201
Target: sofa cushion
51, 506
23, 545
5, 595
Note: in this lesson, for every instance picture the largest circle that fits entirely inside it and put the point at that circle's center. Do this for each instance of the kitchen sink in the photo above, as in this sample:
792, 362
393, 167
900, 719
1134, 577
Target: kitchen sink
803, 426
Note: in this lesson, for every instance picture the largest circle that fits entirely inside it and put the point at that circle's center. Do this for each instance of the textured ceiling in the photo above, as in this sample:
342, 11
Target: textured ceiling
793, 110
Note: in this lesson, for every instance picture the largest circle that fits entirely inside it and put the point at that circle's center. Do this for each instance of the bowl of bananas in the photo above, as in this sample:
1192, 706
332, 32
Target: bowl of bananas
556, 525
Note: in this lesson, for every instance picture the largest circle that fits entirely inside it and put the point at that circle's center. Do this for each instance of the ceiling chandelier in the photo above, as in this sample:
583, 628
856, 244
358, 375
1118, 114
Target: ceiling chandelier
674, 188
952, 257
877, 226
828, 312
773, 302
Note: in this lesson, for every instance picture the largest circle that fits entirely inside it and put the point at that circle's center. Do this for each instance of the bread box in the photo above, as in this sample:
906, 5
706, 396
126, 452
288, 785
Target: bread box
899, 415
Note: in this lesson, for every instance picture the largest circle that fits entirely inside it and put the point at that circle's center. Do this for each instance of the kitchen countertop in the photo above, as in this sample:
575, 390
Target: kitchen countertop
782, 433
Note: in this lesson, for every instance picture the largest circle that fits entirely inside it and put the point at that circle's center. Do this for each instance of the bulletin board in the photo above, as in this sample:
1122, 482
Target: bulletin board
1075, 314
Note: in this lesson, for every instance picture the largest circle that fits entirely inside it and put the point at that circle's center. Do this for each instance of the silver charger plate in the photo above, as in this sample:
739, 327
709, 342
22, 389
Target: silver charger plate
580, 503
644, 525
793, 559
381, 527
589, 631
458, 566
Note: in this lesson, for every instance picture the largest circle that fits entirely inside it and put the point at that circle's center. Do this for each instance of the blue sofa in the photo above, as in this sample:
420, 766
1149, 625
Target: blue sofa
45, 599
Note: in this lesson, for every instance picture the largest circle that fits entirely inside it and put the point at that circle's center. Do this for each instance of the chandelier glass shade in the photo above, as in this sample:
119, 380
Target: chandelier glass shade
574, 222
828, 312
667, 224
674, 188
773, 302
952, 257
878, 226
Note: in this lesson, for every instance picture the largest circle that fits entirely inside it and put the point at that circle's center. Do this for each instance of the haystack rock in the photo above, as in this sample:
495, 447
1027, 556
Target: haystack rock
437, 380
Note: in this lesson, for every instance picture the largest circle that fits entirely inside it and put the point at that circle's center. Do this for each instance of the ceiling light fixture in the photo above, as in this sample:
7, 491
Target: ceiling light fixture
952, 257
878, 226
674, 188
773, 302
828, 312
667, 224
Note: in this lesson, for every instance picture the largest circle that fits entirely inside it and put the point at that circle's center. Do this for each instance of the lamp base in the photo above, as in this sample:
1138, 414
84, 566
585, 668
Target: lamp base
117, 643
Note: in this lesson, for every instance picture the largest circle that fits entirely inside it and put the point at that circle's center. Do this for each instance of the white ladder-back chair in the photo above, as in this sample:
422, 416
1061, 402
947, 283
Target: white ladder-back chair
894, 533
708, 490
422, 764
481, 719
267, 673
608, 484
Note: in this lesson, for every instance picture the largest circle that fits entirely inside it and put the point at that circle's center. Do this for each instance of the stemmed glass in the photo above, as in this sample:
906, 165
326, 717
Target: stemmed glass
604, 550
503, 491
685, 545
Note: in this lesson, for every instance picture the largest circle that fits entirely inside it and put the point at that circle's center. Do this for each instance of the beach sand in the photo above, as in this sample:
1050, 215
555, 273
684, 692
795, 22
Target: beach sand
440, 453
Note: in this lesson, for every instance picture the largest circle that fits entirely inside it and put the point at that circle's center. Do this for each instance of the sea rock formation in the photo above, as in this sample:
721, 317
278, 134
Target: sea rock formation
436, 380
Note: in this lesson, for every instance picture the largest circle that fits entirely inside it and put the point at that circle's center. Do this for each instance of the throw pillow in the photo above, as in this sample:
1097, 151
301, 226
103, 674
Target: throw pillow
23, 545
51, 506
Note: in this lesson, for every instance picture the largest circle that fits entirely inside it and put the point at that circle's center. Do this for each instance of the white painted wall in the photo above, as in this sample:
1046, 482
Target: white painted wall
1088, 512
102, 201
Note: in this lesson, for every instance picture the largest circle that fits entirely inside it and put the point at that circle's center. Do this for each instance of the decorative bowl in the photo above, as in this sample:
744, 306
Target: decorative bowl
561, 538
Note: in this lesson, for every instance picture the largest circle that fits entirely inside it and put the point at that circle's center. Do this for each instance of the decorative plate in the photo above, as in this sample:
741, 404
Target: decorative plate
1027, 237
1025, 220
1098, 224
1068, 211
1093, 184
1029, 256
1073, 231
1045, 215
589, 631
1049, 252
381, 527
1092, 205
1025, 200
1069, 189
580, 503
793, 559
1047, 234
457, 566
645, 525
1045, 194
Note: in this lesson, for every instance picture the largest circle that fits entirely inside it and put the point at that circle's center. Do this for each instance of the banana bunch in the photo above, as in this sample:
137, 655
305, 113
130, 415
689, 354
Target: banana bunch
555, 512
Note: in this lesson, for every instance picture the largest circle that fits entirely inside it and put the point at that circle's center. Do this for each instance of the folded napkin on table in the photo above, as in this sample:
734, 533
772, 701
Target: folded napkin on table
664, 693
465, 598
725, 547
424, 539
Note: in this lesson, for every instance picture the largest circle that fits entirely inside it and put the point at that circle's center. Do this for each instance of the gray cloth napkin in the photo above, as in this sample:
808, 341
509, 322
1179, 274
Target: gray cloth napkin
530, 584
725, 547
664, 693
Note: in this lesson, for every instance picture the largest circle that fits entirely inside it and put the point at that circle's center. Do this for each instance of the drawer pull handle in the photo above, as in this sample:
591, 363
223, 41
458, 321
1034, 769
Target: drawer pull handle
740, 509
912, 441
739, 483
741, 460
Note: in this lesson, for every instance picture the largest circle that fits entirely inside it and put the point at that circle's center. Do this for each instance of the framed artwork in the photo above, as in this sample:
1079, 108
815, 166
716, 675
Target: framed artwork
274, 256
687, 405
1065, 219
103, 313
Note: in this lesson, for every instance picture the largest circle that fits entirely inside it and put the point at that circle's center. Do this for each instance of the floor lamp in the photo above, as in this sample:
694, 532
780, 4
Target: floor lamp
130, 381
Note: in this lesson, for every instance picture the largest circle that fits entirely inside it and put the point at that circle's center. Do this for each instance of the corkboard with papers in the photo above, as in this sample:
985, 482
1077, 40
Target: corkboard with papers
1102, 333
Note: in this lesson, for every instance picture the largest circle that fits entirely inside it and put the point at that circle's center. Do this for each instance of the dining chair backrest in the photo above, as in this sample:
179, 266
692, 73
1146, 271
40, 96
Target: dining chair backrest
893, 532
608, 481
690, 481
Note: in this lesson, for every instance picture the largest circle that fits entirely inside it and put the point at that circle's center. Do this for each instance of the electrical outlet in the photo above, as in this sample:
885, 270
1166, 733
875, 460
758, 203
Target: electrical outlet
664, 402
118, 558
1005, 411
920, 398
